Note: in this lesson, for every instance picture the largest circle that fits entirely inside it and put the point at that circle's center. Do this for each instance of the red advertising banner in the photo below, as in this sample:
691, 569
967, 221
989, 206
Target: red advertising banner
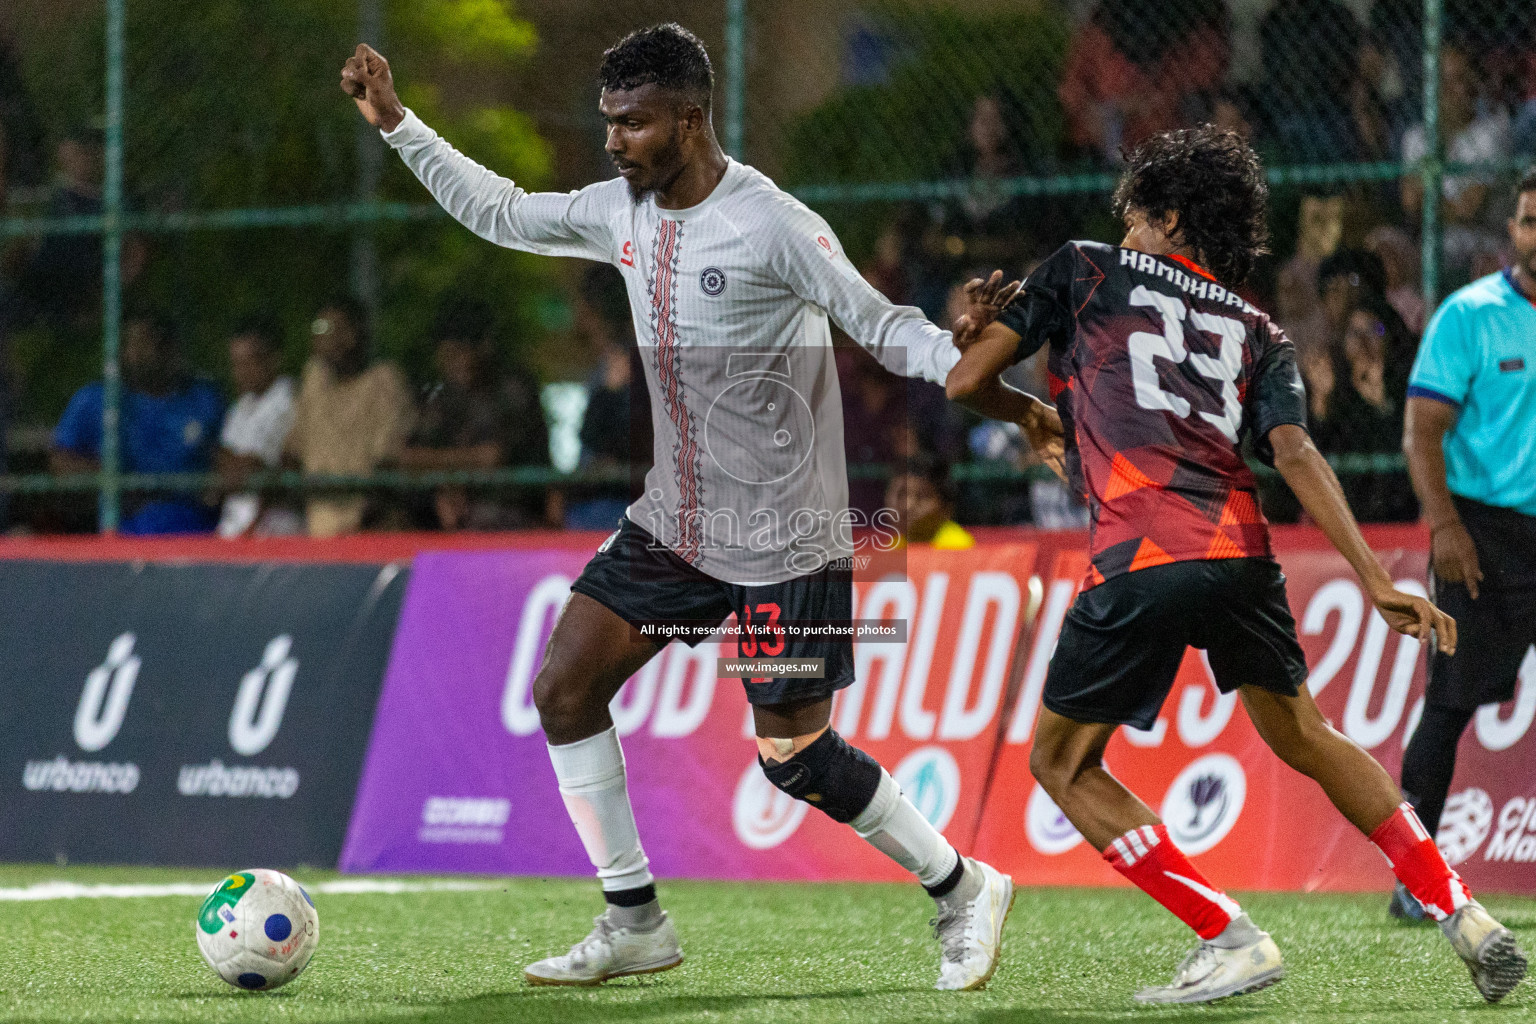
1247, 818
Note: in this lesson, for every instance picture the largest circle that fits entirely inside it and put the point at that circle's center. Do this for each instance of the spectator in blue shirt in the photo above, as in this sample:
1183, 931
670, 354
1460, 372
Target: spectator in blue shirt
170, 423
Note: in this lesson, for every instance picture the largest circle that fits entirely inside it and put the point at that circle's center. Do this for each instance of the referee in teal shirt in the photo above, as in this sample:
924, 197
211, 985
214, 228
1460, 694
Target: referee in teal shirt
1470, 438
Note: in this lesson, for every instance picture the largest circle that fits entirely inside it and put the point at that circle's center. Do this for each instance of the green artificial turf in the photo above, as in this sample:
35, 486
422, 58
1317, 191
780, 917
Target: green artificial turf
755, 952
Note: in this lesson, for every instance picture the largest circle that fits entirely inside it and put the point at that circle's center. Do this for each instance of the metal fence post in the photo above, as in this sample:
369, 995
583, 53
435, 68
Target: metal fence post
1432, 172
110, 503
735, 77
369, 152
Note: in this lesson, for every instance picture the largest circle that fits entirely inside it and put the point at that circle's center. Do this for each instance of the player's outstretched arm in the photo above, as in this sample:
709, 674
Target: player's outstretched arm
975, 383
1312, 480
984, 300
367, 79
493, 207
992, 351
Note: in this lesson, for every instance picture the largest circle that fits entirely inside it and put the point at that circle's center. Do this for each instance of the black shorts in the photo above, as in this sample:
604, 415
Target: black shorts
1123, 640
645, 583
1494, 632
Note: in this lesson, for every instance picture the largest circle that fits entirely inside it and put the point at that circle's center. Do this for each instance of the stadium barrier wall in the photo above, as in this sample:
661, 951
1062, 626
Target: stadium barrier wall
1246, 817
456, 778
197, 713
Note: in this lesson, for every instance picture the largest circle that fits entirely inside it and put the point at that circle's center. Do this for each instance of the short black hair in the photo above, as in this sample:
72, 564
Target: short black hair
165, 331
1213, 179
356, 313
666, 55
1364, 267
934, 469
264, 327
461, 318
1527, 183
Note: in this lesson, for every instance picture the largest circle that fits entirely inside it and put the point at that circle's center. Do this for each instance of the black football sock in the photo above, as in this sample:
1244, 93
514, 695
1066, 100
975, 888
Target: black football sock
960, 886
1430, 761
636, 909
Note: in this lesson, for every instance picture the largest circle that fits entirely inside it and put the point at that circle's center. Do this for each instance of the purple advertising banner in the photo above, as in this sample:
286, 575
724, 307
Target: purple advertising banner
445, 786
457, 777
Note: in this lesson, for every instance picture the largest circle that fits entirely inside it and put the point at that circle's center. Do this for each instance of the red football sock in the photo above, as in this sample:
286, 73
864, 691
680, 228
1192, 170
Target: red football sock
1148, 858
1417, 863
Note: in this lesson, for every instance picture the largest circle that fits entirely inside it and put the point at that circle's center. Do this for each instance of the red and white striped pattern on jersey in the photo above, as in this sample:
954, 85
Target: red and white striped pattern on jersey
685, 450
1136, 844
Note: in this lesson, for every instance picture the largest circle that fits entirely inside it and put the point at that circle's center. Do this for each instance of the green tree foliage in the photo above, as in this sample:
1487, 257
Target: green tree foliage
910, 124
235, 103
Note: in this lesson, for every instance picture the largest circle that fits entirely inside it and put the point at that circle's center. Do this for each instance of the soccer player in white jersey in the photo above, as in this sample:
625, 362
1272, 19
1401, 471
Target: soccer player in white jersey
731, 282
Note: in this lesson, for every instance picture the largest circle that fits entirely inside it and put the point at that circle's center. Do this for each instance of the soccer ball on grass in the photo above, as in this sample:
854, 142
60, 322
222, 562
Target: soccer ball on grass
258, 929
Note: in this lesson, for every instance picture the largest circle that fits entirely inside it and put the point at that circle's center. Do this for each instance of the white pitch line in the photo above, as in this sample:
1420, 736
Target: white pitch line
337, 887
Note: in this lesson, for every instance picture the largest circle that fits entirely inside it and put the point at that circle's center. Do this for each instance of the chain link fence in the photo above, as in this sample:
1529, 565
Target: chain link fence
199, 164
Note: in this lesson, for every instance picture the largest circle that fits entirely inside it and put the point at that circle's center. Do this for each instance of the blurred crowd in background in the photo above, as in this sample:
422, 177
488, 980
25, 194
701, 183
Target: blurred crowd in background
318, 395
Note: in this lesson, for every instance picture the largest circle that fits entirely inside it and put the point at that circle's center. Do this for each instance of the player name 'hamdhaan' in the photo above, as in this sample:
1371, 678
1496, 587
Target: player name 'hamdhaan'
1198, 287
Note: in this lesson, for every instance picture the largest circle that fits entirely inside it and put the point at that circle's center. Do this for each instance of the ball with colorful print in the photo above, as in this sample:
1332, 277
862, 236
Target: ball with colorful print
258, 929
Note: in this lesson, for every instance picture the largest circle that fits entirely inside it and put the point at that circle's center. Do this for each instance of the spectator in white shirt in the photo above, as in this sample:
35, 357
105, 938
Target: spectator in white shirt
255, 429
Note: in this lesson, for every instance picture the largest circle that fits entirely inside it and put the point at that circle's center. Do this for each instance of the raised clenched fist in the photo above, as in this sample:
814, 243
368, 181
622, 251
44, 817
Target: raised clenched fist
366, 78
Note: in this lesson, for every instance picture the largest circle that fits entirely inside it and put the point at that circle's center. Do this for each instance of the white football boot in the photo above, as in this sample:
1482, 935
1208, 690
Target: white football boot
610, 951
971, 932
1211, 973
1491, 953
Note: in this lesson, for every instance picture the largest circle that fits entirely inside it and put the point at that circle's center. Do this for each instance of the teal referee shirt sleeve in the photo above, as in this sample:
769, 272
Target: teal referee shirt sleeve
1479, 355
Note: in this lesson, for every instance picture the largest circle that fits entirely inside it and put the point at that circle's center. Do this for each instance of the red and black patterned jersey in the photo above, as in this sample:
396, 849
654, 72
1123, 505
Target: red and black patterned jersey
1158, 372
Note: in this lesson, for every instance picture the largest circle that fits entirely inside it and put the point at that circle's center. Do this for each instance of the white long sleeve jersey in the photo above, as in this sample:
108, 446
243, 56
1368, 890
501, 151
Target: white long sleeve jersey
730, 299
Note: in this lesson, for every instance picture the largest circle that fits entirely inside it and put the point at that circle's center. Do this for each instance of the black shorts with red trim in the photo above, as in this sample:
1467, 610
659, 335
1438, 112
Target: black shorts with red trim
644, 582
1123, 640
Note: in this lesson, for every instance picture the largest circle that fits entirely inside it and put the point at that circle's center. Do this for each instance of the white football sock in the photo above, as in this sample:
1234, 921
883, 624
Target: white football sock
591, 775
897, 829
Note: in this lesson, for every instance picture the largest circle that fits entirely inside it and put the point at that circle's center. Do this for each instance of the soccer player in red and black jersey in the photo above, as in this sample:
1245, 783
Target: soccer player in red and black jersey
1160, 371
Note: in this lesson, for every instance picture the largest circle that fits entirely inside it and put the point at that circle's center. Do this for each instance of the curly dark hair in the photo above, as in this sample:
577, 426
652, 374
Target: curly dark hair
666, 55
1212, 178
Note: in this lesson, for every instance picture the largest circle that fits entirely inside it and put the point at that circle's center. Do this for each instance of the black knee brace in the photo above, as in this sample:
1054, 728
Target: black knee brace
830, 775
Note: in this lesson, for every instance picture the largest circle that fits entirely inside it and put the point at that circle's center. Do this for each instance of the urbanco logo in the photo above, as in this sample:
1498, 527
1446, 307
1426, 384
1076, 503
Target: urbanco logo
98, 718
457, 819
263, 697
104, 701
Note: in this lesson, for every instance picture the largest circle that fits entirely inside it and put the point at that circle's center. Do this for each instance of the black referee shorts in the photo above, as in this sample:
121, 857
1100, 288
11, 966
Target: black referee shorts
645, 583
1494, 632
1123, 640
